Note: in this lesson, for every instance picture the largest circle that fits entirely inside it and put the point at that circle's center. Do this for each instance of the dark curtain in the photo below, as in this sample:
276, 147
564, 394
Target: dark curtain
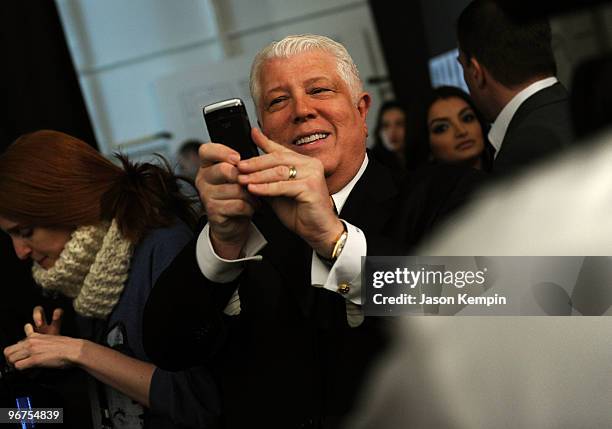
405, 48
39, 85
39, 89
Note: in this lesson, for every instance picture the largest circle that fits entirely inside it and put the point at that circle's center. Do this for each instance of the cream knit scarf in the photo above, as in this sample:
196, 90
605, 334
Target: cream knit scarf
92, 269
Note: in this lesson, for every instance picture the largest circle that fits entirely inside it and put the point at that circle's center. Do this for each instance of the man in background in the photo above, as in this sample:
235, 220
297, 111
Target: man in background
188, 159
509, 67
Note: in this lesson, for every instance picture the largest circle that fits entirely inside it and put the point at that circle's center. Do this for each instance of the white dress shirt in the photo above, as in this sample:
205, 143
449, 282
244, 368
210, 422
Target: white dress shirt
500, 126
346, 269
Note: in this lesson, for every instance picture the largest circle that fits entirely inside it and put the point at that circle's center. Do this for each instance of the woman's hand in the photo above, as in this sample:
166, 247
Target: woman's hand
43, 351
40, 321
124, 373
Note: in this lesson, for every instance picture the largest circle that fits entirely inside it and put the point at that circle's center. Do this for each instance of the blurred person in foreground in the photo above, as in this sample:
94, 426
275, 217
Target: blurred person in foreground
546, 372
509, 67
281, 253
100, 234
451, 130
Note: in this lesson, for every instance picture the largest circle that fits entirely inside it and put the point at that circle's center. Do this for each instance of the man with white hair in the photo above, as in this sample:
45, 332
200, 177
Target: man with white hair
281, 253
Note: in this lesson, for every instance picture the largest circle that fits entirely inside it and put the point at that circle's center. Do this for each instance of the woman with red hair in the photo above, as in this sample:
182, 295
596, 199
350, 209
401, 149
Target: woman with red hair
100, 234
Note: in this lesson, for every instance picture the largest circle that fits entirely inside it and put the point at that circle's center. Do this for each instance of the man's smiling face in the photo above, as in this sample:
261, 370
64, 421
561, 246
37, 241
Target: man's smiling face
306, 106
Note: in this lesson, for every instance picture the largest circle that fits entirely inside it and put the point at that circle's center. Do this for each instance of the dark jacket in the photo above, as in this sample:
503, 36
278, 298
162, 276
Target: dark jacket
541, 127
289, 359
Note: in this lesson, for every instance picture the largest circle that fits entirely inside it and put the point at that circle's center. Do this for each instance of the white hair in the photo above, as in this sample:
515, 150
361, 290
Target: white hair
298, 44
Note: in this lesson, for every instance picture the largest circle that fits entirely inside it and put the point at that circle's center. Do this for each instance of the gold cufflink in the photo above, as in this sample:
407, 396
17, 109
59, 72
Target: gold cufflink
344, 288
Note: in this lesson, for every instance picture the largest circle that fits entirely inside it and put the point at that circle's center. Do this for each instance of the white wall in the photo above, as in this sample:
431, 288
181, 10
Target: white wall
123, 49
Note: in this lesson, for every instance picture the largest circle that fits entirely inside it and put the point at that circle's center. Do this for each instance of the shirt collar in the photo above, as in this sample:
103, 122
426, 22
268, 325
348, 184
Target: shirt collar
500, 126
341, 196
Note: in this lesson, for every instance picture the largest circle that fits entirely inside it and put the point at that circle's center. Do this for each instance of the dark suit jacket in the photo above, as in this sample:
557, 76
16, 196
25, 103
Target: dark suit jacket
290, 359
540, 127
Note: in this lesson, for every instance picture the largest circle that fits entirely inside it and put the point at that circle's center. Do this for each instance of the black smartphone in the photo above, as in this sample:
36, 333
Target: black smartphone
228, 123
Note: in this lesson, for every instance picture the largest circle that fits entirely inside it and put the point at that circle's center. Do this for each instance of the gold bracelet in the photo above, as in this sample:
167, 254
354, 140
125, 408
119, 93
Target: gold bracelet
339, 244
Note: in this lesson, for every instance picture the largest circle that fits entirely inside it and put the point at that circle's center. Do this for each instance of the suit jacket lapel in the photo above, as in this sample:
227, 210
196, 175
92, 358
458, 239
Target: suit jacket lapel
285, 250
288, 254
370, 204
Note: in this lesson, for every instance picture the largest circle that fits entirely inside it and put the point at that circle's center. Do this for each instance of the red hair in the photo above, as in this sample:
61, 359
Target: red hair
51, 179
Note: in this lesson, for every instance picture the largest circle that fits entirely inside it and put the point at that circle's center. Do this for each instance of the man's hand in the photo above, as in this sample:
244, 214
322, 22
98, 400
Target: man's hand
227, 204
302, 203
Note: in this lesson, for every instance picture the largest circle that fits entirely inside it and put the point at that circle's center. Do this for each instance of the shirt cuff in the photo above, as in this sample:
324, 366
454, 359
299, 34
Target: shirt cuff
347, 268
221, 270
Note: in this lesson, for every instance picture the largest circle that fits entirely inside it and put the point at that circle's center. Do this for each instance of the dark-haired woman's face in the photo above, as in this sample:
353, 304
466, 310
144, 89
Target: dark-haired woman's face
42, 245
393, 129
455, 135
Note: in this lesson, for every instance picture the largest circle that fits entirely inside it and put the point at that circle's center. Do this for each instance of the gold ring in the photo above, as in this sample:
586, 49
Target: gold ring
292, 172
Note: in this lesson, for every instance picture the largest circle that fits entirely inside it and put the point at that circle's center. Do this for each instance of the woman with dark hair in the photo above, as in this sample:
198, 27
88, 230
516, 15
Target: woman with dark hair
100, 234
390, 135
450, 130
